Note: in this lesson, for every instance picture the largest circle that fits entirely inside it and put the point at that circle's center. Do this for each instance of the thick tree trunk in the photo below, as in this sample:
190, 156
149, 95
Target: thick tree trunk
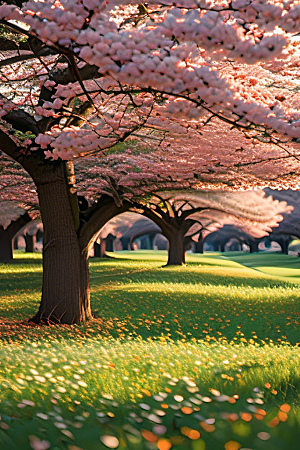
30, 241
65, 292
174, 229
176, 252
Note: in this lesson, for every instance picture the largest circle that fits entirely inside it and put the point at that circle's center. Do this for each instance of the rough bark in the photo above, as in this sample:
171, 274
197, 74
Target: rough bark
7, 235
65, 292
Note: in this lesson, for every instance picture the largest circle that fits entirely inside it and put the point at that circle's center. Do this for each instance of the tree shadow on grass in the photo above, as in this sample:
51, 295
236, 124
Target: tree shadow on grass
197, 302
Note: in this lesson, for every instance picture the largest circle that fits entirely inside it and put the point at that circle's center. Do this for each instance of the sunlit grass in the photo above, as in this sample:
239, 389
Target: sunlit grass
213, 328
283, 267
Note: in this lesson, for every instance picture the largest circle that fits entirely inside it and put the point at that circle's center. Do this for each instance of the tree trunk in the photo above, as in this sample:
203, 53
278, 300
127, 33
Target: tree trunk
30, 241
16, 245
253, 246
39, 236
284, 244
151, 240
125, 241
176, 252
6, 246
199, 246
99, 249
285, 247
145, 243
109, 241
7, 235
65, 292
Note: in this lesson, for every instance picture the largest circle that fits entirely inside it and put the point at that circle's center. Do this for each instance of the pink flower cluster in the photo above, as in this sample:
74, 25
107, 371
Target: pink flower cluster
6, 106
177, 51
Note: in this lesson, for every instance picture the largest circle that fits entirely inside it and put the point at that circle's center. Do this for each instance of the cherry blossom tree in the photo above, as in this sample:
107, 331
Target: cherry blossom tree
18, 203
13, 218
92, 73
183, 215
127, 227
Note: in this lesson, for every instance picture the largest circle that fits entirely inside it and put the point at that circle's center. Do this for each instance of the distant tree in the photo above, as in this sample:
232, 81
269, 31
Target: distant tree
183, 215
289, 228
12, 219
217, 240
127, 227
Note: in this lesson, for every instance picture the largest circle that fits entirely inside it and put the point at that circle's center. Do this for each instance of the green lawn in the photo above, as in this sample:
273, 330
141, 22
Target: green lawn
198, 357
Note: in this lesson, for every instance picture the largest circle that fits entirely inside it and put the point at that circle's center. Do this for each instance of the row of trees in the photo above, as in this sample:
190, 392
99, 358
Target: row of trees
180, 214
207, 88
122, 231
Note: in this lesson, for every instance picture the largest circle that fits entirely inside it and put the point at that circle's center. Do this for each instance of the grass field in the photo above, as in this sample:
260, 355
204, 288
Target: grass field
198, 357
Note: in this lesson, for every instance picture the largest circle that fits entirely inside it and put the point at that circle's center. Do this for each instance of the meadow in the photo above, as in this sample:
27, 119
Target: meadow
200, 357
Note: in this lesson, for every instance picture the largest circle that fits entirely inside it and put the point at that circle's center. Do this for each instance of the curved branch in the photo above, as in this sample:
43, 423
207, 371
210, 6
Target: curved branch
97, 217
160, 221
24, 57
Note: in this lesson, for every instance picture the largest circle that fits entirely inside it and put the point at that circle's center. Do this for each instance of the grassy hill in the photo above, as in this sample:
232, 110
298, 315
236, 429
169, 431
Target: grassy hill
198, 357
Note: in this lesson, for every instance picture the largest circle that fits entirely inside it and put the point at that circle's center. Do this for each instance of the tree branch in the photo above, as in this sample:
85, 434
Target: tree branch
97, 217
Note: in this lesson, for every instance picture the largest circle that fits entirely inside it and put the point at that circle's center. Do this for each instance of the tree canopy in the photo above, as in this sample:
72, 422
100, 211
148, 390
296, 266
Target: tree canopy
87, 75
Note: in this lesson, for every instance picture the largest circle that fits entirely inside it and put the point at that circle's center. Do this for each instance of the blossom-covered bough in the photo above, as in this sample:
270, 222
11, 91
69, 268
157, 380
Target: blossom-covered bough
212, 82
